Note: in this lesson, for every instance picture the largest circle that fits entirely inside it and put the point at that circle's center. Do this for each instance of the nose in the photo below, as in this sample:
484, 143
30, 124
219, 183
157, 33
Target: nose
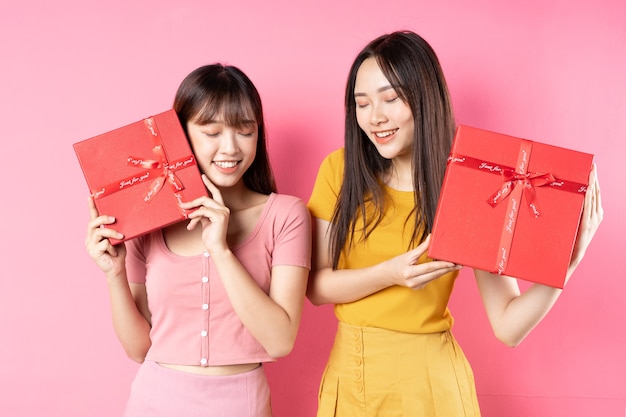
228, 143
377, 114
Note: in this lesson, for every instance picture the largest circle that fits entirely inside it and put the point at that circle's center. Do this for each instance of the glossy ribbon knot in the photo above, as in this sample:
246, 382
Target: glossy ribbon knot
161, 163
528, 180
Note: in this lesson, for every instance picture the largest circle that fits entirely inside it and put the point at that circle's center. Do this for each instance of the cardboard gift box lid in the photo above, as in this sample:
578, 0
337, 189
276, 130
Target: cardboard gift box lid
510, 206
140, 173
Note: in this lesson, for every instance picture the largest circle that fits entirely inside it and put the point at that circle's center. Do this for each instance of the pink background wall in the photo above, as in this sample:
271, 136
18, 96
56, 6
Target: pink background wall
548, 70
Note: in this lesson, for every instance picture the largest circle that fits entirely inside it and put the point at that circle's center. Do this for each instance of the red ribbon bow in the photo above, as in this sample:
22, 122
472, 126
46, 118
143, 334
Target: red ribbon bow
528, 180
167, 173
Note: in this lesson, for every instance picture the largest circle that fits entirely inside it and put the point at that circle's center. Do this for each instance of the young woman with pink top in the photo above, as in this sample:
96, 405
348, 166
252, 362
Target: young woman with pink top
202, 304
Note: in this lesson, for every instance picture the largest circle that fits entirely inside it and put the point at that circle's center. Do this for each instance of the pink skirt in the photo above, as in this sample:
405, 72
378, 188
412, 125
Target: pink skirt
163, 392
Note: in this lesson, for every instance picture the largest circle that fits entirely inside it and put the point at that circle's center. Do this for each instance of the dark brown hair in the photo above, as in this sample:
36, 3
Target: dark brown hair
217, 90
412, 67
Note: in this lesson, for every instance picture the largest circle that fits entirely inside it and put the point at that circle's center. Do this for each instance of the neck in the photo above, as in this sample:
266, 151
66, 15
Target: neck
400, 175
239, 197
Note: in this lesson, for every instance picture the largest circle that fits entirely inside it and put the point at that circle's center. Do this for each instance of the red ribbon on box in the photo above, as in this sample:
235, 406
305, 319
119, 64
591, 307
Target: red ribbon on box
515, 181
161, 163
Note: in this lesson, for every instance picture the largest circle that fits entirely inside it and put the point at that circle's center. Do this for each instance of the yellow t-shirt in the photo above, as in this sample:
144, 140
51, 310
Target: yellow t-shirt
396, 308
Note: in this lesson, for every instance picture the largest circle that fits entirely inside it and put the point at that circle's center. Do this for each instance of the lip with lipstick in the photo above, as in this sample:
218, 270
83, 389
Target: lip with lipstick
384, 136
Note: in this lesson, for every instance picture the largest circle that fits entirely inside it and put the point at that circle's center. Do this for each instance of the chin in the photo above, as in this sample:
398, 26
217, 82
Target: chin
387, 153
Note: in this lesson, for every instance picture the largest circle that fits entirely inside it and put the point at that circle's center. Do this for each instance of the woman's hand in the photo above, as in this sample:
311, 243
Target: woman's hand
212, 215
109, 258
405, 270
512, 314
591, 217
129, 302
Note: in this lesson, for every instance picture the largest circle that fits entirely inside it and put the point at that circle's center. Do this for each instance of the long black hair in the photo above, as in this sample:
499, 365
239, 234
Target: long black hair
410, 64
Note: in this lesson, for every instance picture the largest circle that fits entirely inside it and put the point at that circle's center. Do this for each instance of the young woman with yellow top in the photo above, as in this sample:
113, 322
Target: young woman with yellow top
374, 202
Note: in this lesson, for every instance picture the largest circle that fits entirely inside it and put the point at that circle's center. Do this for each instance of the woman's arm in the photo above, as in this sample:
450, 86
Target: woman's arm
129, 304
131, 317
513, 315
328, 286
272, 319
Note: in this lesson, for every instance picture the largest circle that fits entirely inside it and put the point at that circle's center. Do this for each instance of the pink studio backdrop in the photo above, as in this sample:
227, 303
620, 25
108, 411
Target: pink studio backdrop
551, 71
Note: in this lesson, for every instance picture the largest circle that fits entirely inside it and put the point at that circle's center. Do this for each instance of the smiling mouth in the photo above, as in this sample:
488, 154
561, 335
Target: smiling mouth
384, 136
226, 164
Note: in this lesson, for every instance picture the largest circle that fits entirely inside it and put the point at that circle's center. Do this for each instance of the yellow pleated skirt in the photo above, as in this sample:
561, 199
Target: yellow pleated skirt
382, 373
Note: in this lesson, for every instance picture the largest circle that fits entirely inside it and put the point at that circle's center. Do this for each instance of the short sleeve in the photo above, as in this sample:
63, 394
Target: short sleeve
327, 185
136, 260
292, 233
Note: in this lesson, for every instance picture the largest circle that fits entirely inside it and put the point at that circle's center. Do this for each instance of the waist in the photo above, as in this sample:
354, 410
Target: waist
401, 309
213, 370
378, 343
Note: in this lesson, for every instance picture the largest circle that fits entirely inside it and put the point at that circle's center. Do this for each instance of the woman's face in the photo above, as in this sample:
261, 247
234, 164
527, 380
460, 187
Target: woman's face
381, 114
224, 152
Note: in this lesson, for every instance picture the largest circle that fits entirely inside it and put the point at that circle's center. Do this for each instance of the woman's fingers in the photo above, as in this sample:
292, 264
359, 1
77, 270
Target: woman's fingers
415, 253
101, 247
592, 216
93, 211
98, 243
593, 212
412, 273
98, 228
100, 221
193, 223
423, 247
432, 267
596, 196
212, 208
215, 192
422, 274
199, 203
215, 201
95, 220
98, 234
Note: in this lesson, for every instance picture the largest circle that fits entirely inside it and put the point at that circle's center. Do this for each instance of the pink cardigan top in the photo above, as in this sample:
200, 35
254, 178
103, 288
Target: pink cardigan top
193, 322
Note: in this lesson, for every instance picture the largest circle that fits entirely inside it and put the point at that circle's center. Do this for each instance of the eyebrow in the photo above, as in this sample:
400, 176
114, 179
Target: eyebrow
380, 90
222, 122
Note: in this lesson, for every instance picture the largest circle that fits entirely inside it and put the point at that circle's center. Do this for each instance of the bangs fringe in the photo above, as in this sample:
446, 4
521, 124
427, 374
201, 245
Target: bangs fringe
232, 109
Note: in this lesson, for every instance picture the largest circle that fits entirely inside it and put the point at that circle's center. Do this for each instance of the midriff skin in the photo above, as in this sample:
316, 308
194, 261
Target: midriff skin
213, 370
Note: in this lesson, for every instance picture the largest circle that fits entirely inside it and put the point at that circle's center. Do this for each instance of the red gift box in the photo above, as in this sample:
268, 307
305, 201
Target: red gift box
510, 206
140, 173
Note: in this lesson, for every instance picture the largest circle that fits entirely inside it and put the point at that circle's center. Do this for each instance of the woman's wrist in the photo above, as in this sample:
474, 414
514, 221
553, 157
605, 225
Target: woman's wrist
115, 277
